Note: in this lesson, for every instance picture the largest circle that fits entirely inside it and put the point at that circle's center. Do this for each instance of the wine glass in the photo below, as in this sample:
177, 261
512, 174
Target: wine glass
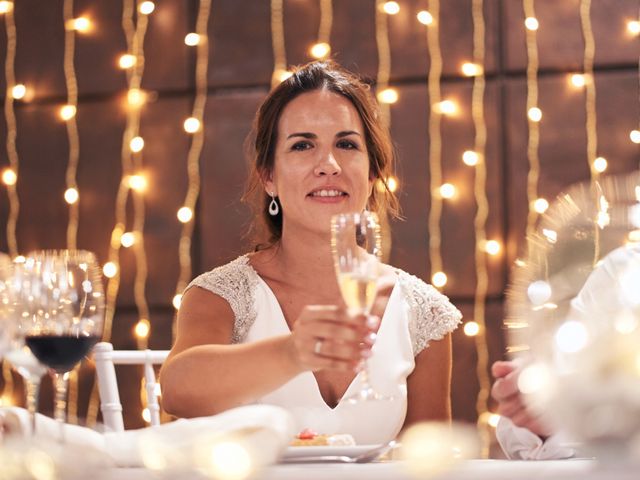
356, 247
63, 317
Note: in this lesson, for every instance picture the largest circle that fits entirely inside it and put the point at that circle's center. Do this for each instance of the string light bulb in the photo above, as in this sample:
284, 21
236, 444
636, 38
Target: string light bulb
540, 205
531, 23
191, 125
578, 80
71, 195
142, 328
9, 177
471, 158
439, 279
633, 27
392, 184
447, 190
18, 91
110, 269
424, 17
185, 214
600, 164
446, 107
136, 144
176, 301
137, 182
67, 112
136, 97
192, 39
492, 247
127, 239
470, 69
146, 8
320, 50
493, 420
80, 24
388, 96
634, 135
471, 329
5, 6
126, 61
534, 114
391, 8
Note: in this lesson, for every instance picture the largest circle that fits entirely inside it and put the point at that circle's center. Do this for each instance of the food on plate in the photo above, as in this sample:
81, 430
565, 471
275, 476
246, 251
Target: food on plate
308, 437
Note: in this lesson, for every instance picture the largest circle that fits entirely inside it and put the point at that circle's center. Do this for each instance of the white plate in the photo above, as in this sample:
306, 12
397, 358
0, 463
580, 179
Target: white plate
313, 451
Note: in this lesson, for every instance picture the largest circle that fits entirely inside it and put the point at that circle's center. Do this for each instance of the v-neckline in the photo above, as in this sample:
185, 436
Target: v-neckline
284, 324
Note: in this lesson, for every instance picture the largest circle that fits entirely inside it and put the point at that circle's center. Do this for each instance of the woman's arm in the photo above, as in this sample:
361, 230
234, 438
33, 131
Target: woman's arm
429, 385
204, 374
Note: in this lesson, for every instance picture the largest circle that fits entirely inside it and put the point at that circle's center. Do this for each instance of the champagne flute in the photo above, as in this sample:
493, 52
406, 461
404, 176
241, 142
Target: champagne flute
356, 247
64, 314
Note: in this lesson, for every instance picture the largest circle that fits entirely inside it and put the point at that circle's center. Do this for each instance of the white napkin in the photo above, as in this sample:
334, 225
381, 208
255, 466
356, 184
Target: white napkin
263, 431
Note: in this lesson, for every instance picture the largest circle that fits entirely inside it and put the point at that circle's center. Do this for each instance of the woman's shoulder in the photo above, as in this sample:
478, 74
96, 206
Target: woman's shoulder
431, 313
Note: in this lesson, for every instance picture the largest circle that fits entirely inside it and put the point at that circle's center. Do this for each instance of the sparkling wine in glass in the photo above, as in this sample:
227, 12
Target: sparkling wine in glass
356, 247
64, 318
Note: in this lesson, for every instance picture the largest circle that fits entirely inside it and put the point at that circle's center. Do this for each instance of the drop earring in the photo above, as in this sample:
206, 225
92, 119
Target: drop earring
274, 209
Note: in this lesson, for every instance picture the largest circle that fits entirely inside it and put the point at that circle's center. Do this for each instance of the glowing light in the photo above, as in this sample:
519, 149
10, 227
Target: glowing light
471, 329
137, 182
531, 23
71, 195
392, 8
633, 27
177, 300
392, 183
80, 24
67, 112
142, 328
425, 17
634, 135
625, 323
534, 114
470, 158
471, 69
191, 125
110, 269
320, 50
446, 107
600, 164
136, 97
533, 378
388, 95
229, 460
127, 239
540, 205
136, 144
126, 61
493, 420
492, 247
146, 7
5, 6
539, 292
146, 415
578, 80
439, 279
185, 214
18, 91
192, 39
571, 337
447, 190
9, 177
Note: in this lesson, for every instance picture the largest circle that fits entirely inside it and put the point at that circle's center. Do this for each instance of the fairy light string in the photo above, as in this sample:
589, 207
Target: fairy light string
435, 141
384, 60
187, 211
278, 43
10, 175
480, 221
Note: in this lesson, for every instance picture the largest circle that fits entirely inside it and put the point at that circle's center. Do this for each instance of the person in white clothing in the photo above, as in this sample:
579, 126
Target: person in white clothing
271, 326
611, 289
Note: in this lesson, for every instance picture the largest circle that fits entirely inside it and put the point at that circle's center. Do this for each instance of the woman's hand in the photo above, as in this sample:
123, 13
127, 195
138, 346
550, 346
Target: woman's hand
510, 402
327, 337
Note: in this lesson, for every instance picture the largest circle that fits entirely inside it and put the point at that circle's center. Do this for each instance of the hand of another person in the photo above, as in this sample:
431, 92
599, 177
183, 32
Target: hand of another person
510, 401
327, 337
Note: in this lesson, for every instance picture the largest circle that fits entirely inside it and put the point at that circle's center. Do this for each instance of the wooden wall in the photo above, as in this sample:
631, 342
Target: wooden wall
241, 63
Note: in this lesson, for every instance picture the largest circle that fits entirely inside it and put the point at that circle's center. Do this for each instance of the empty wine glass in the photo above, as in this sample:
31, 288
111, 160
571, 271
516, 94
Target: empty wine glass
356, 247
63, 314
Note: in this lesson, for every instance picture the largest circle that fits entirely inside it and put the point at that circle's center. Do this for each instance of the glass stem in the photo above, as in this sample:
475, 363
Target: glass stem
32, 385
61, 401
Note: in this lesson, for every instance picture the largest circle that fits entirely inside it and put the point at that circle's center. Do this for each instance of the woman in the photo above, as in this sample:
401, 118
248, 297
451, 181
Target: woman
271, 326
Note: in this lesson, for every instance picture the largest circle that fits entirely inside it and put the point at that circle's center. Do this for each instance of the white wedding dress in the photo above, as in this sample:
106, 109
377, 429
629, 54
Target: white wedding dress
416, 313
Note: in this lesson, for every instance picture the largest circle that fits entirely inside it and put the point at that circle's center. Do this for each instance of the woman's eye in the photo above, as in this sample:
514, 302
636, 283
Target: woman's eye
301, 146
347, 144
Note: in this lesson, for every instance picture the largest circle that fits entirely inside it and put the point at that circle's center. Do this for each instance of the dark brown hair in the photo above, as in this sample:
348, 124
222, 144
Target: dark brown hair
319, 75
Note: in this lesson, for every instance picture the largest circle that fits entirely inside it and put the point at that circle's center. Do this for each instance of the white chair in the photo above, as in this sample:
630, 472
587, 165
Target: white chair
106, 358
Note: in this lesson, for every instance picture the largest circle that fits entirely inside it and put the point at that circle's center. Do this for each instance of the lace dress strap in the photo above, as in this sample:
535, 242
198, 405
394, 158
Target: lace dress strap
431, 314
236, 282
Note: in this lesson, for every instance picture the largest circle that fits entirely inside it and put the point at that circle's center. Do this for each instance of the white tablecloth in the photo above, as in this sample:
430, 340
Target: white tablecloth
466, 470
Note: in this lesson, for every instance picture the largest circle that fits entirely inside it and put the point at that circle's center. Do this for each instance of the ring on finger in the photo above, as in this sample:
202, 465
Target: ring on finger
318, 347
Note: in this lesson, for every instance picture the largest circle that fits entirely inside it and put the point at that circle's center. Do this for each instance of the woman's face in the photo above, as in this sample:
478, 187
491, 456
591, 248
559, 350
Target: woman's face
321, 160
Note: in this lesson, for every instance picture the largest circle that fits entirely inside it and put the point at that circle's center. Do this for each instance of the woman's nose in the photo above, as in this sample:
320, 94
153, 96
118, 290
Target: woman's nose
327, 165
